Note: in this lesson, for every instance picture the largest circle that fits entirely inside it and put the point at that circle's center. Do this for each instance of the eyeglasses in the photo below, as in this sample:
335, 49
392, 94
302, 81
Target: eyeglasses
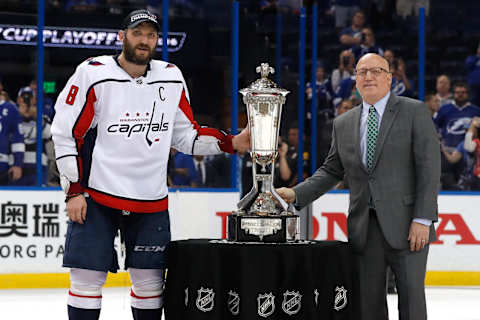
374, 71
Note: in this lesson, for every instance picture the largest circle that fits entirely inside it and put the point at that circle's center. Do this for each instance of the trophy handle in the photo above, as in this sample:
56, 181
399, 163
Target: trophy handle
248, 199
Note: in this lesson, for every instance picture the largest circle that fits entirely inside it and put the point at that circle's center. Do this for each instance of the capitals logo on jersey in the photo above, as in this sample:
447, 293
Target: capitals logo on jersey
133, 123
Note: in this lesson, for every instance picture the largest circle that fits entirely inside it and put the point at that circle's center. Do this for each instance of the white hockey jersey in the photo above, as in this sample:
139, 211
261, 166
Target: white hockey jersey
112, 133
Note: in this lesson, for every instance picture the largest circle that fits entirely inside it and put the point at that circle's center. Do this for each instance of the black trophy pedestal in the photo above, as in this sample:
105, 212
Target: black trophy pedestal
269, 228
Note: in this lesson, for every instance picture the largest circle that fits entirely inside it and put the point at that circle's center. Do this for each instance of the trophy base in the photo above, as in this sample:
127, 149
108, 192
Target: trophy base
269, 228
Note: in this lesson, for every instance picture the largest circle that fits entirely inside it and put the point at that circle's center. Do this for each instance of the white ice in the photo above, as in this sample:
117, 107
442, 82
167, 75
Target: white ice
442, 303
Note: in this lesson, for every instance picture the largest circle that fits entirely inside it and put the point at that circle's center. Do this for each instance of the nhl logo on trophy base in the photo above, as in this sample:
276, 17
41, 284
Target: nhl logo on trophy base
262, 214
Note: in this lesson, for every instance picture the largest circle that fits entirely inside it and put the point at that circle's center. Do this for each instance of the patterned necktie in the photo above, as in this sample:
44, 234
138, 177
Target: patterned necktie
372, 133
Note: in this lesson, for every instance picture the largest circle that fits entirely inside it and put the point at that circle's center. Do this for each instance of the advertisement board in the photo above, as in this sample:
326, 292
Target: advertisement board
33, 225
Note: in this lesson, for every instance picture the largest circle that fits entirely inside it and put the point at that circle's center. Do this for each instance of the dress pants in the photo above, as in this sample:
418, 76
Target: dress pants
409, 269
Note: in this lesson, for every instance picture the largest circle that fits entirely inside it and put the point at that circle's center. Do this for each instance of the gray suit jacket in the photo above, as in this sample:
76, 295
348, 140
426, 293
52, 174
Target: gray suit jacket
403, 182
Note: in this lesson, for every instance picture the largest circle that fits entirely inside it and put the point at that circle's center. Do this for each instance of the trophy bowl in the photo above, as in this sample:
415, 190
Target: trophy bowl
262, 215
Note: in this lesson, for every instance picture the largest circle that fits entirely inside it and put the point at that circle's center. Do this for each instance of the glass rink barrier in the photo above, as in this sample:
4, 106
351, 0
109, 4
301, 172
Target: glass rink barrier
216, 45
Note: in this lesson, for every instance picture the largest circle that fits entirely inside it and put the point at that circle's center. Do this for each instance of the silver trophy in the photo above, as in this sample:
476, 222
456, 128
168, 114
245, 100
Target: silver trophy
262, 214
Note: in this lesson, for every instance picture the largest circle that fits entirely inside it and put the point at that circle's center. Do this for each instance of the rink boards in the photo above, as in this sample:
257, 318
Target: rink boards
33, 227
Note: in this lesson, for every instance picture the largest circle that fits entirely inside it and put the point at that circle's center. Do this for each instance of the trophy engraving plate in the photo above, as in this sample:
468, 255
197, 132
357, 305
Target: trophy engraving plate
261, 227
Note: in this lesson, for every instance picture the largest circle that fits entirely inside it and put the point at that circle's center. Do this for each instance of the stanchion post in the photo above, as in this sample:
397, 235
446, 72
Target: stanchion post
234, 124
278, 48
314, 111
40, 70
421, 54
301, 93
165, 8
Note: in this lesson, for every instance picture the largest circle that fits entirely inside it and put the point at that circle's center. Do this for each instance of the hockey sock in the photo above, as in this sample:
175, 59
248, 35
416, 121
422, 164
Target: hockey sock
146, 314
83, 314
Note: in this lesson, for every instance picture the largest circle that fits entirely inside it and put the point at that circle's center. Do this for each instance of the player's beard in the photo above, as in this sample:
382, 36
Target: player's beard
131, 56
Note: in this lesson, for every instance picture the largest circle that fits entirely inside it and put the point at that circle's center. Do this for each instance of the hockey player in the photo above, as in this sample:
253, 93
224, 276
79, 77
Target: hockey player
115, 122
11, 143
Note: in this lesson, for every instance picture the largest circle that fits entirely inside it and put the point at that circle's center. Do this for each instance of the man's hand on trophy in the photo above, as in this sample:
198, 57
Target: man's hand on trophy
287, 194
241, 142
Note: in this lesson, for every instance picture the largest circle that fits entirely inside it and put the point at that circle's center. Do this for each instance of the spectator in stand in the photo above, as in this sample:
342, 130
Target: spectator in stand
323, 91
345, 10
473, 67
452, 121
184, 173
352, 36
11, 142
211, 172
53, 177
389, 55
345, 91
464, 159
283, 166
48, 109
433, 104
292, 154
472, 144
344, 106
5, 97
28, 111
367, 45
443, 90
400, 84
344, 70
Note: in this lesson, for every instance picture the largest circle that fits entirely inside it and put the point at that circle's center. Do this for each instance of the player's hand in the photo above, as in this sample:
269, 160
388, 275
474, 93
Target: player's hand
77, 209
418, 236
286, 194
241, 142
15, 173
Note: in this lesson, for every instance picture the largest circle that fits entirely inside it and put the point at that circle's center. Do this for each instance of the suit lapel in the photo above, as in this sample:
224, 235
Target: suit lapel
387, 121
356, 135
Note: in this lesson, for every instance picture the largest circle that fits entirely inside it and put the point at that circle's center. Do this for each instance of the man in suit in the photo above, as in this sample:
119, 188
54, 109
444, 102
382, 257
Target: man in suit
388, 152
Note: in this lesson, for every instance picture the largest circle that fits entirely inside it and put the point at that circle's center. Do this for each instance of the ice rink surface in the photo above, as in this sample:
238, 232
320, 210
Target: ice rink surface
443, 304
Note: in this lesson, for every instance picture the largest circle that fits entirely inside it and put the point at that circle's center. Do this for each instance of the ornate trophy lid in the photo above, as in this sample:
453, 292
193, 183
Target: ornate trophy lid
264, 85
